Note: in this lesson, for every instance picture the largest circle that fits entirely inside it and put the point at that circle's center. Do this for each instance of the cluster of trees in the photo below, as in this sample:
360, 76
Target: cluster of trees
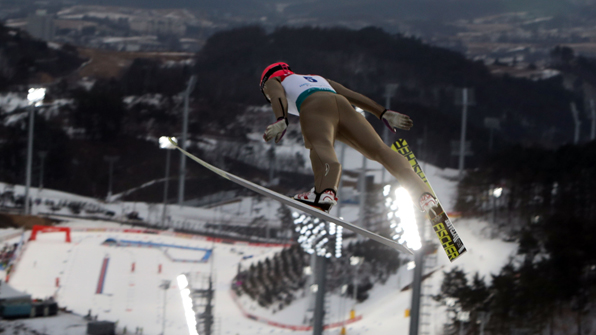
547, 206
95, 121
23, 58
274, 282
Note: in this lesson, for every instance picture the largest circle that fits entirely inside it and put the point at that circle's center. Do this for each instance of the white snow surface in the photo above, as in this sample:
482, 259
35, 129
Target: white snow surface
11, 101
63, 324
134, 299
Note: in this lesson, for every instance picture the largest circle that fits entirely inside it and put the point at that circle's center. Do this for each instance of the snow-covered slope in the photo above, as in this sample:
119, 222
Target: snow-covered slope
134, 299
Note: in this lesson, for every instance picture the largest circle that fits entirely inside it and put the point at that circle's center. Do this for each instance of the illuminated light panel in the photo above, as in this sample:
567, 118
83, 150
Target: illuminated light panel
315, 237
164, 142
402, 217
35, 96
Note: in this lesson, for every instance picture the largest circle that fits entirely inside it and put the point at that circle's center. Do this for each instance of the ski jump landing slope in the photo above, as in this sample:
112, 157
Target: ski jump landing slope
131, 293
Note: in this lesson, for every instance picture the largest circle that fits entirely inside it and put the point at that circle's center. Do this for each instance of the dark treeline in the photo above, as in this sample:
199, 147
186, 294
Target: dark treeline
23, 59
547, 205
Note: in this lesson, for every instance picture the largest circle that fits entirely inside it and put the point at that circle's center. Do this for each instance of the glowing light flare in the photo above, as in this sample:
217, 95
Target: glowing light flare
189, 313
406, 229
315, 235
386, 190
164, 142
35, 96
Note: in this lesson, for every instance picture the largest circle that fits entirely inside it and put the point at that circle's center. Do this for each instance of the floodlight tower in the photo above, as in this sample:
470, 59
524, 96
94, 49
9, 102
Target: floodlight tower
35, 98
164, 143
316, 237
189, 88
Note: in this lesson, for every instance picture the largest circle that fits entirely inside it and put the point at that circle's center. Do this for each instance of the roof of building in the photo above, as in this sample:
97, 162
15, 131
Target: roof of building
7, 292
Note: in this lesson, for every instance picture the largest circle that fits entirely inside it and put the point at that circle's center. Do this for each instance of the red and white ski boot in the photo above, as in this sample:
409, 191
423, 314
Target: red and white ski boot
324, 200
431, 206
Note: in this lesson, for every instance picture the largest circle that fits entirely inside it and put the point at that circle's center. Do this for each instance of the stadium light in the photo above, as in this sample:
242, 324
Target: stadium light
35, 96
317, 236
189, 313
402, 217
164, 143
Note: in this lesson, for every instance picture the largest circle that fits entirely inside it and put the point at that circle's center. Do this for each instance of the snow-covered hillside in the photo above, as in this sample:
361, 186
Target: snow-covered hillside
132, 296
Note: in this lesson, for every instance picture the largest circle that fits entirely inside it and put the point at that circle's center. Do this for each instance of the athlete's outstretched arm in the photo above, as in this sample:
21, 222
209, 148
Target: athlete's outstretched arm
277, 96
393, 120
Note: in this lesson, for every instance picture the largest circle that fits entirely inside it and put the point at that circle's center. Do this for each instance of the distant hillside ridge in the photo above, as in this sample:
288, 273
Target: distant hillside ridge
26, 60
358, 9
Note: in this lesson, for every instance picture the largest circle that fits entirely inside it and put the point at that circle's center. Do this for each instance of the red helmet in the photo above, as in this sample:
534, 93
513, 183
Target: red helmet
274, 70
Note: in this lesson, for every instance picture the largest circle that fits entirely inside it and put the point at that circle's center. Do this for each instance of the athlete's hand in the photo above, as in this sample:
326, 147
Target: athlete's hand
394, 120
277, 130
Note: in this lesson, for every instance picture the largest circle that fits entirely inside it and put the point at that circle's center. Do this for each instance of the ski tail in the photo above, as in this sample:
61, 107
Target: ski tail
444, 229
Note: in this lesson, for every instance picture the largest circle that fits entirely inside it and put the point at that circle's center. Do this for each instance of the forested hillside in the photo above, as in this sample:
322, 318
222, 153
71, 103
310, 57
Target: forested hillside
546, 203
107, 117
230, 65
24, 60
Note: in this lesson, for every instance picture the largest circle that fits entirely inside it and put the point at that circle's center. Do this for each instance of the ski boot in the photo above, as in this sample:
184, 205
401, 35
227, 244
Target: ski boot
323, 201
431, 206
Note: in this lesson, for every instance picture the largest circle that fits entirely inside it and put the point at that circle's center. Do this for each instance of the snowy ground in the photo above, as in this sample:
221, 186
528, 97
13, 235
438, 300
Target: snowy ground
134, 299
63, 324
240, 211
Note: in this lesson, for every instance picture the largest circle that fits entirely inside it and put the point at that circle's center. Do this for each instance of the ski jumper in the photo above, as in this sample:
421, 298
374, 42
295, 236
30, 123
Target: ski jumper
326, 114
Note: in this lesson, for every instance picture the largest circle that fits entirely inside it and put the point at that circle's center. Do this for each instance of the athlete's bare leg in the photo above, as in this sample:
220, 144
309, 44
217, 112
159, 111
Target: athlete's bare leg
319, 121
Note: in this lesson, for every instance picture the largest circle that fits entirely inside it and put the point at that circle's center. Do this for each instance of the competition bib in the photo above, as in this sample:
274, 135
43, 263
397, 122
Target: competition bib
298, 87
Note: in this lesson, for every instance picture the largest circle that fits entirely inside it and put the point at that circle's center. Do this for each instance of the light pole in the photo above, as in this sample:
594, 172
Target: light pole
111, 160
165, 285
467, 99
42, 157
493, 124
362, 190
164, 143
417, 279
355, 262
35, 97
189, 88
496, 194
166, 184
577, 122
593, 113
